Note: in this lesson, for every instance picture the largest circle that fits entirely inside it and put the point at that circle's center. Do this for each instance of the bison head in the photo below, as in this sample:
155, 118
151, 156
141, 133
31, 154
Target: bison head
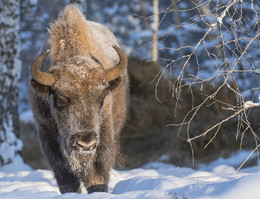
79, 98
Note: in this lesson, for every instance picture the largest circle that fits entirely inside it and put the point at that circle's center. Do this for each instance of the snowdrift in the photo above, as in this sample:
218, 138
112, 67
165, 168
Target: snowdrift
154, 180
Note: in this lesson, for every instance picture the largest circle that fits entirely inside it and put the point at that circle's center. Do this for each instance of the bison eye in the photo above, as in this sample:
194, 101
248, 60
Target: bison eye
61, 101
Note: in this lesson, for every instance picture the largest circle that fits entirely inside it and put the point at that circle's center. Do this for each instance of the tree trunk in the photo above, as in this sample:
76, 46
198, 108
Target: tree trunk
176, 13
178, 24
155, 30
10, 68
144, 13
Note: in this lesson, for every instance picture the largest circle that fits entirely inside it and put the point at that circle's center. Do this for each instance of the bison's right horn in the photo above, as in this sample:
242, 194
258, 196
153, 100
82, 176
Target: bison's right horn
43, 78
116, 71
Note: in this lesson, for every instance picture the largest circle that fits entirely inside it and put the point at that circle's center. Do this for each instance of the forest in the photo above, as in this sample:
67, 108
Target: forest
194, 72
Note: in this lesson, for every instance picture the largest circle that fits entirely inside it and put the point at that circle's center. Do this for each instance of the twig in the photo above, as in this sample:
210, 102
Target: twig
247, 158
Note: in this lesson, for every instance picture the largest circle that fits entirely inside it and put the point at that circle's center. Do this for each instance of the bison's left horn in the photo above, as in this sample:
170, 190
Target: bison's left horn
43, 78
117, 70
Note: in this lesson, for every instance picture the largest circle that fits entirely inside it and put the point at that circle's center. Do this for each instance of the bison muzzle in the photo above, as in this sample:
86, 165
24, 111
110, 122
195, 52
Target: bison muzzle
78, 93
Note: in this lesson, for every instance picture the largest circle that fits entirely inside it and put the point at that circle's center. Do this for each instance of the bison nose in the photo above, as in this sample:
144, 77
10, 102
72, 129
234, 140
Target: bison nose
86, 142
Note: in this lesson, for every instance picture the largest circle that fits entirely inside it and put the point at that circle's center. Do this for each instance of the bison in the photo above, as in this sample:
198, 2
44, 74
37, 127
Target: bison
78, 91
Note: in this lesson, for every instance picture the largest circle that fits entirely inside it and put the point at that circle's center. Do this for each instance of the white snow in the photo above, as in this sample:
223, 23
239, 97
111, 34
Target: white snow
11, 144
249, 104
26, 116
220, 20
154, 180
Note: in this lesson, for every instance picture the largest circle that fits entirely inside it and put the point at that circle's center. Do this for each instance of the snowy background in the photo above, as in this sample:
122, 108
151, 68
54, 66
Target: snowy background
181, 31
182, 25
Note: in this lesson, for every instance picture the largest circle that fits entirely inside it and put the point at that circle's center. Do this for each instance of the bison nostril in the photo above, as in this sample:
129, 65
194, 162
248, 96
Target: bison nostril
86, 143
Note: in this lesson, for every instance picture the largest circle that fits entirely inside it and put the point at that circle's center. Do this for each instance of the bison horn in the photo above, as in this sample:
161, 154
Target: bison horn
43, 78
47, 79
117, 70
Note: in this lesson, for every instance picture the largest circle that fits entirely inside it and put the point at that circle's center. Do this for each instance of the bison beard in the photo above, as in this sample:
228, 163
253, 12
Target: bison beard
78, 93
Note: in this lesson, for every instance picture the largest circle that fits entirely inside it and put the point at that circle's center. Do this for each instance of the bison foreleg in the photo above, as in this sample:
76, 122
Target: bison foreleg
98, 182
67, 182
104, 161
98, 188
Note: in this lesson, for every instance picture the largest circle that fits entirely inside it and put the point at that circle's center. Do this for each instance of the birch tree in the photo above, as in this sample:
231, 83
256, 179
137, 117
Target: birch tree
155, 30
10, 66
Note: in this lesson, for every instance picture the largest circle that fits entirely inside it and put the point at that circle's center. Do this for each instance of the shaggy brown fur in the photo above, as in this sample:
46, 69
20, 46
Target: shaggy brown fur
80, 116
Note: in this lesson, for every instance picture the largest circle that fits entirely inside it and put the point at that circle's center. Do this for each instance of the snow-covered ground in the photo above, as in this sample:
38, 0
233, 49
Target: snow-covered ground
154, 180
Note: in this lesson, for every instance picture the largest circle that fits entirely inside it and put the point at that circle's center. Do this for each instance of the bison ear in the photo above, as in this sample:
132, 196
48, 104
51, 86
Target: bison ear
114, 83
42, 91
